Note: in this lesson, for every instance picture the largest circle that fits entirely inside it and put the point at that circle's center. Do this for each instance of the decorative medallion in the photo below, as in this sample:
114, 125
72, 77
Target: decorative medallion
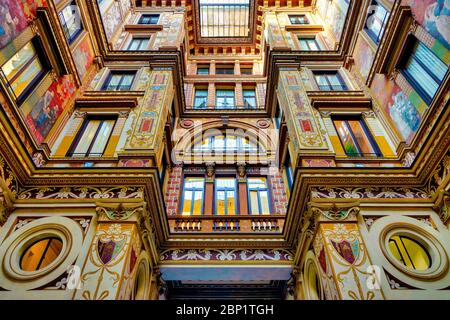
186, 123
263, 124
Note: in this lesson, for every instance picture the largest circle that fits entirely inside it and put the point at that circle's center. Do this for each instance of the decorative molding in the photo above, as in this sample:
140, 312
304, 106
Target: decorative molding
226, 255
335, 212
42, 193
409, 159
119, 212
369, 193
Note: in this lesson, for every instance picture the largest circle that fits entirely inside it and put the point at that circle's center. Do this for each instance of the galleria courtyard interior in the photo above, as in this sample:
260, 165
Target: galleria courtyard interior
224, 149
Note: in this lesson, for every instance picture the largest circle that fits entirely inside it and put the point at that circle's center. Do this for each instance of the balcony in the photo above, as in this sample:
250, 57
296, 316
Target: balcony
227, 224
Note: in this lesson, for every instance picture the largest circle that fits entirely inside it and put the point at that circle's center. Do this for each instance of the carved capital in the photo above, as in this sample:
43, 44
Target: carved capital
368, 114
325, 113
394, 74
442, 206
241, 172
79, 114
210, 172
123, 114
413, 27
5, 210
120, 211
335, 212
409, 159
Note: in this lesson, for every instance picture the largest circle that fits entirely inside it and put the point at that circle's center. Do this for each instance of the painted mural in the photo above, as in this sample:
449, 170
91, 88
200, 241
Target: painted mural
398, 106
48, 109
83, 57
12, 21
334, 13
29, 7
111, 20
363, 57
434, 16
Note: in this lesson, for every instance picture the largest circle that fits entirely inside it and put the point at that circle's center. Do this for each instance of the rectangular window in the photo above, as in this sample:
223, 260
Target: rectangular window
203, 70
23, 71
71, 21
119, 81
356, 138
278, 116
308, 44
258, 193
424, 71
162, 173
246, 70
376, 21
200, 98
329, 81
298, 19
289, 172
224, 69
149, 19
249, 98
225, 99
226, 196
193, 193
138, 44
93, 137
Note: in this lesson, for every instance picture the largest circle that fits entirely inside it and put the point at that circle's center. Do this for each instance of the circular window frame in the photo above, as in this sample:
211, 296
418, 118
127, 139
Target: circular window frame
435, 251
36, 238
12, 249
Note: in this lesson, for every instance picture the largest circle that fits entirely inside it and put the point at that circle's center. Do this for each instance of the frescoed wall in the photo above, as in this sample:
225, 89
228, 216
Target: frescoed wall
48, 109
83, 57
111, 20
29, 7
12, 21
42, 116
397, 105
434, 16
363, 56
333, 14
398, 98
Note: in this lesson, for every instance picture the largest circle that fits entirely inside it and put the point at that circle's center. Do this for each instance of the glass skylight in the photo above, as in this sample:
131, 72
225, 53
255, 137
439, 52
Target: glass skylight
224, 19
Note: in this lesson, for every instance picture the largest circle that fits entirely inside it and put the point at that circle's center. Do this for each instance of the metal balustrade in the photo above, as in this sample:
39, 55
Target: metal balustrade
188, 225
226, 225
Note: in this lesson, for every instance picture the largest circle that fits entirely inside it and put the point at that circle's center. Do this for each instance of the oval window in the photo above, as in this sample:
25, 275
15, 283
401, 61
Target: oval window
40, 254
409, 252
314, 283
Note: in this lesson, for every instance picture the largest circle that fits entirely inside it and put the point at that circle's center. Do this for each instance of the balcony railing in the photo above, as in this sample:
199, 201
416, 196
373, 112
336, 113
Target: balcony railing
227, 224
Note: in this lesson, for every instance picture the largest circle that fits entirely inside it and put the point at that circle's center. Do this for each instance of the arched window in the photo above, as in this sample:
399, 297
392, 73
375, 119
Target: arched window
40, 254
409, 252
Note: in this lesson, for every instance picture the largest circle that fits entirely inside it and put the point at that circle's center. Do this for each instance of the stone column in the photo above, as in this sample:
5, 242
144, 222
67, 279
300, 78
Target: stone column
209, 191
239, 96
343, 261
242, 186
115, 253
211, 96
